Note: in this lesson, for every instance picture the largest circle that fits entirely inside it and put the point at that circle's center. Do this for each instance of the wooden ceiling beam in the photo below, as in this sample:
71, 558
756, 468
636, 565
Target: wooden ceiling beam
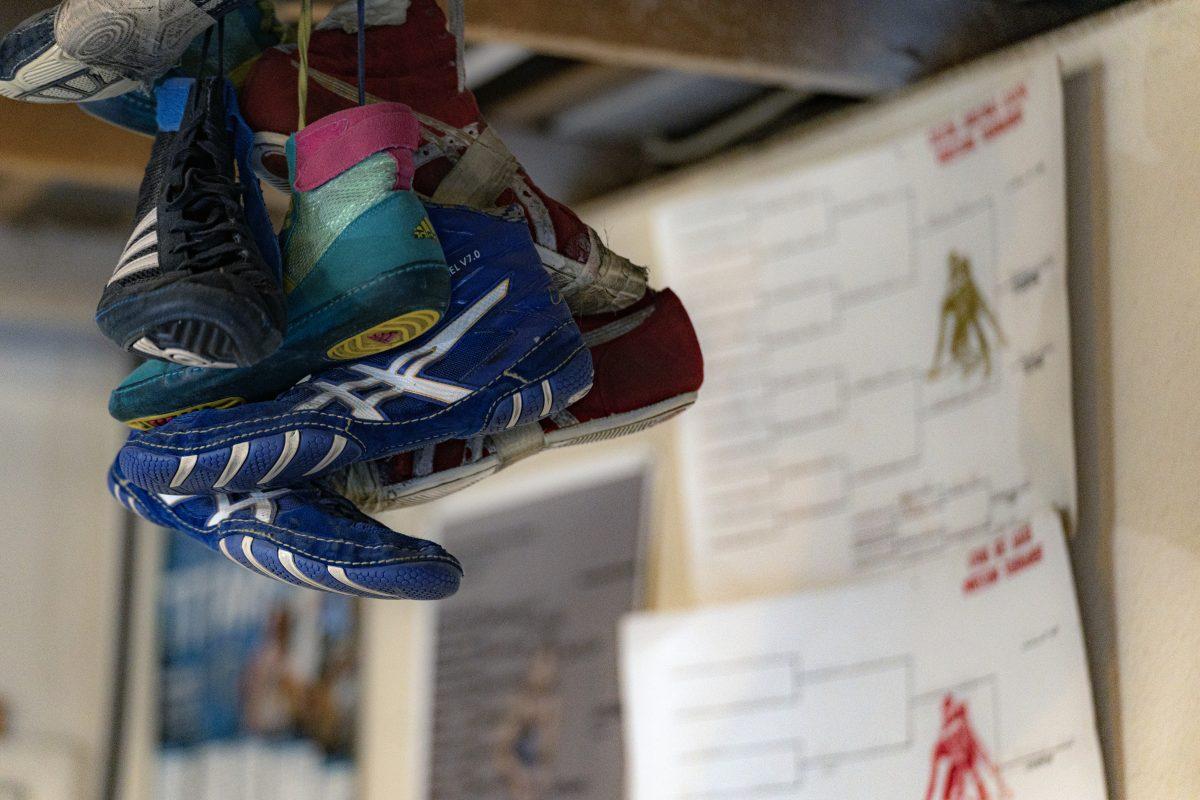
61, 143
852, 47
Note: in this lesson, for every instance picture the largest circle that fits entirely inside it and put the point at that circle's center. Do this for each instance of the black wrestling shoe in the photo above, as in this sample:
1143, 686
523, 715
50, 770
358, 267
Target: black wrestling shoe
200, 280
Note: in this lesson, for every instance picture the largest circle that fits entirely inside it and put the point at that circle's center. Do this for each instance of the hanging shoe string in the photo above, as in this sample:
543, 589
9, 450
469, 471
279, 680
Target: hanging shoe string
304, 36
362, 52
202, 71
458, 26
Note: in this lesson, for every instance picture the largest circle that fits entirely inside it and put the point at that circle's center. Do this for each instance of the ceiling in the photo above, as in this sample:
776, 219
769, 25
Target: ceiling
591, 94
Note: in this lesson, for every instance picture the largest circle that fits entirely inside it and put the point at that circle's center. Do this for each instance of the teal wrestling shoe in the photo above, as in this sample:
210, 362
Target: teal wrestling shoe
364, 271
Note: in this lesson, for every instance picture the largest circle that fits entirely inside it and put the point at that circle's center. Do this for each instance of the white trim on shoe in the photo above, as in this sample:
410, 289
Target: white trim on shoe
440, 484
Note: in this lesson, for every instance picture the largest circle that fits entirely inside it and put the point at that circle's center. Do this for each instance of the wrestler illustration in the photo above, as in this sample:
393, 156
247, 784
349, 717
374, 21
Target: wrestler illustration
962, 768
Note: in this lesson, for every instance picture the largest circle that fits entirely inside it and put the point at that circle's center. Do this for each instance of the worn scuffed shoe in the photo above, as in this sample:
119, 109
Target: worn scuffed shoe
461, 161
84, 50
307, 536
648, 369
199, 282
507, 353
364, 270
249, 30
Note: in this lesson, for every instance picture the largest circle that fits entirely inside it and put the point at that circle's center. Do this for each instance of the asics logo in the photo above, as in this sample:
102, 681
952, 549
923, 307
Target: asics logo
141, 251
403, 376
263, 504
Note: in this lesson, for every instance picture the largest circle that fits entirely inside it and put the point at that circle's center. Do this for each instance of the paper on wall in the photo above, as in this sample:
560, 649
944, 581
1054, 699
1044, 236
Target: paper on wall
886, 338
526, 700
960, 674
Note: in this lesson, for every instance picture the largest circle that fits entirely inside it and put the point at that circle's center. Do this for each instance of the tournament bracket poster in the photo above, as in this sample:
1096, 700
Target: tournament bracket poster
259, 684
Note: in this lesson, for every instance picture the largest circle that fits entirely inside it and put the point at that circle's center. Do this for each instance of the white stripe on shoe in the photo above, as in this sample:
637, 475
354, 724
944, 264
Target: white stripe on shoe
145, 234
291, 443
335, 449
341, 577
237, 457
186, 465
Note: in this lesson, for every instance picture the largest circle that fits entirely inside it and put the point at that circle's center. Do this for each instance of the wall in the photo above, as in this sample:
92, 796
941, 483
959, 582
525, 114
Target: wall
1133, 122
61, 530
1133, 106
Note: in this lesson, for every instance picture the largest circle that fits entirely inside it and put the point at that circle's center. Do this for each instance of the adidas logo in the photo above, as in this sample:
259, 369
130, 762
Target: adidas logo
141, 251
424, 230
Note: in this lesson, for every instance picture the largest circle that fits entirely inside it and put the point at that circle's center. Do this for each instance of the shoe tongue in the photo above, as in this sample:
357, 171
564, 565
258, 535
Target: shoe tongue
171, 98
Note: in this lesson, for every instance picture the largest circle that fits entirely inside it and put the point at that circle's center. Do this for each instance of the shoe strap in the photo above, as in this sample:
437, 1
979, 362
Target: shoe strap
484, 171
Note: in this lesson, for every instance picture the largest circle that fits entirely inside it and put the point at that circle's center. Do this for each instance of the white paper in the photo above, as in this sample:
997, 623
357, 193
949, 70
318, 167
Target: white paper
526, 699
823, 444
844, 694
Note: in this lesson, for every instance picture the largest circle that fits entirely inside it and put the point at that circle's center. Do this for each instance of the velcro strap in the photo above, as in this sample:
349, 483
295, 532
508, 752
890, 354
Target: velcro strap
485, 170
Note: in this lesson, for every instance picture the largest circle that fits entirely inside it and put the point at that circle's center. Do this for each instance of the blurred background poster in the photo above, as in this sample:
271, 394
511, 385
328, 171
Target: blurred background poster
260, 685
527, 702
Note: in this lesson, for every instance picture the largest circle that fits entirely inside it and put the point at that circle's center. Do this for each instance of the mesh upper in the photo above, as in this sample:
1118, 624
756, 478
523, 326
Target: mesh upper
319, 216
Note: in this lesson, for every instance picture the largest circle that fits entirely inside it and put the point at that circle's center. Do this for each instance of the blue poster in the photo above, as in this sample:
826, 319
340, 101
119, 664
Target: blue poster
259, 684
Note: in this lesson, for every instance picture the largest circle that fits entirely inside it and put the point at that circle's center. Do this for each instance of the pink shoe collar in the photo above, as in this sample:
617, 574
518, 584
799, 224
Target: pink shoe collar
334, 144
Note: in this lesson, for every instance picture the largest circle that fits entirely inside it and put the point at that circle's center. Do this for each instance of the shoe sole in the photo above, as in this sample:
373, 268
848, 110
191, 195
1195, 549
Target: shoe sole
192, 325
309, 452
150, 423
109, 34
391, 334
386, 335
419, 579
191, 343
55, 77
441, 484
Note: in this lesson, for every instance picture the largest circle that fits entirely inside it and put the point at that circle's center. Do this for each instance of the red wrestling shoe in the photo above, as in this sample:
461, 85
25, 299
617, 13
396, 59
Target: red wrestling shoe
461, 161
648, 369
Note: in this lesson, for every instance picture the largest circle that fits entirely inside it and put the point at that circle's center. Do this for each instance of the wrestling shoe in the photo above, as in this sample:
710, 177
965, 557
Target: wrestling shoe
307, 536
96, 49
648, 369
364, 270
506, 353
249, 30
461, 161
199, 281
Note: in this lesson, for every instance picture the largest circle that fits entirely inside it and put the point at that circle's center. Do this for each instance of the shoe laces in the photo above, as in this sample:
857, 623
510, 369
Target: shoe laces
212, 233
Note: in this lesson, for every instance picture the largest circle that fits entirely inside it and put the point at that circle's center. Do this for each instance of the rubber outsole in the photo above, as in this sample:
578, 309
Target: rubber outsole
393, 333
192, 343
193, 325
418, 579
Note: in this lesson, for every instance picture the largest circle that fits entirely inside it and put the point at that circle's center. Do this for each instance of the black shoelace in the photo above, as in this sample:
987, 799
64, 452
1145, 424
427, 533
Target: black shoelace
212, 233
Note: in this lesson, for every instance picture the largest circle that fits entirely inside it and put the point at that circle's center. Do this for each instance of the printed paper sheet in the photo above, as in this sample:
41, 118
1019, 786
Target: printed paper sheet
886, 338
961, 677
527, 697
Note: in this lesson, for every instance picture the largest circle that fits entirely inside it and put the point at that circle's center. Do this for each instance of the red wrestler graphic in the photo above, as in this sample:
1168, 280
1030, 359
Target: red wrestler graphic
962, 769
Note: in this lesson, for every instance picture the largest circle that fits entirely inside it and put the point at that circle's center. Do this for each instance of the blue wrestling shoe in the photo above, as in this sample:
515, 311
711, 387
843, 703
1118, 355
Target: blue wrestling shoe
86, 50
506, 353
307, 536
